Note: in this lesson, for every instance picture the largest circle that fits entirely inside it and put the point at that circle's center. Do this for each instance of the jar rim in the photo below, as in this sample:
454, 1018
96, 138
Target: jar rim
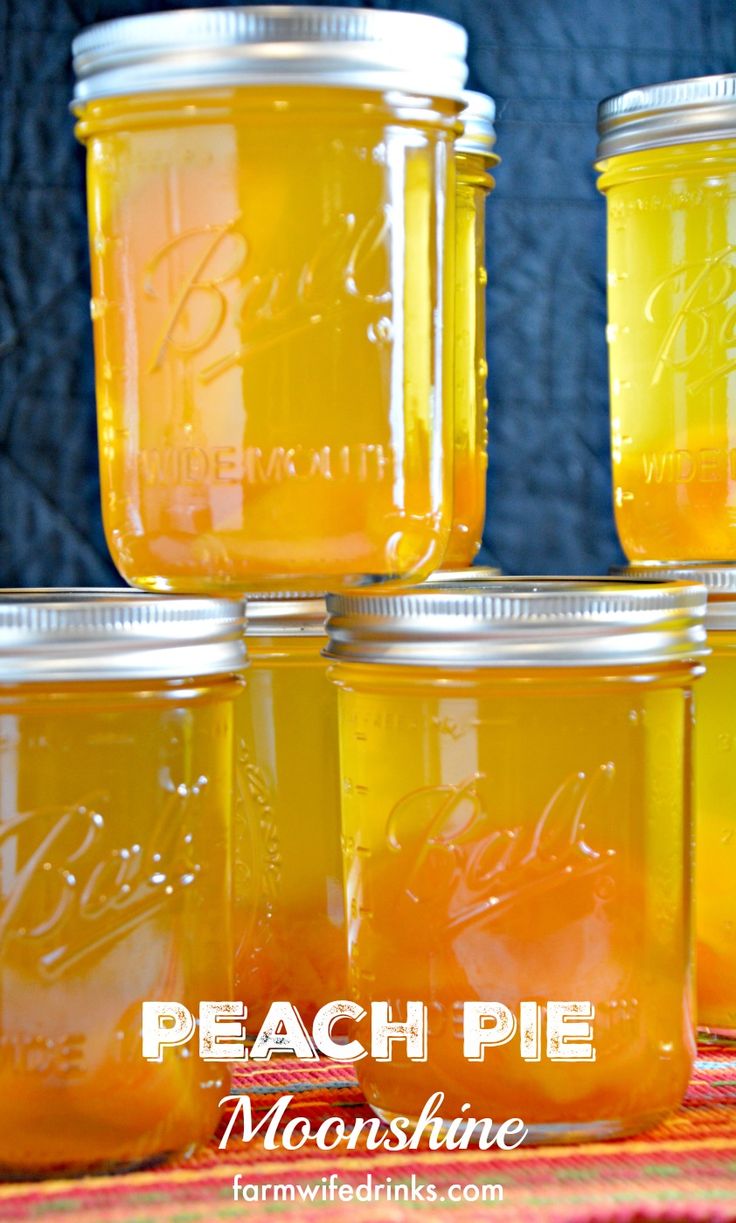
521, 622
303, 614
718, 580
671, 112
478, 123
271, 44
286, 614
68, 633
477, 573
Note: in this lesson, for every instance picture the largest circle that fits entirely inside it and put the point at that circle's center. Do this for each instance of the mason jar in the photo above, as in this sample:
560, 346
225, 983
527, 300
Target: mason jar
667, 156
515, 761
116, 713
474, 158
715, 810
271, 196
289, 914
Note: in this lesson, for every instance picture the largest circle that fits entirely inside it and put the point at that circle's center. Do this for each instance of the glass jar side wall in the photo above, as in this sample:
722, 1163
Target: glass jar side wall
114, 842
267, 268
671, 286
523, 836
289, 914
715, 786
468, 357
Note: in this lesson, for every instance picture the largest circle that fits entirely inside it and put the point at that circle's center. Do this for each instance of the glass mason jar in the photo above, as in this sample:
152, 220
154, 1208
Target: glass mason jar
715, 809
515, 764
289, 914
474, 157
116, 716
270, 198
667, 156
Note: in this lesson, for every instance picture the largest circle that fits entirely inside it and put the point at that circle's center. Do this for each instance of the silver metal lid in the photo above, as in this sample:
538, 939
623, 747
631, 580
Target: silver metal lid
269, 44
521, 622
479, 133
89, 634
675, 112
719, 582
286, 615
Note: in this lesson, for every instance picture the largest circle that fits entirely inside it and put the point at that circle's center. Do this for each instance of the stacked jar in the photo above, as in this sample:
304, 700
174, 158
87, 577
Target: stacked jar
667, 157
516, 773
474, 158
271, 208
116, 731
715, 779
289, 911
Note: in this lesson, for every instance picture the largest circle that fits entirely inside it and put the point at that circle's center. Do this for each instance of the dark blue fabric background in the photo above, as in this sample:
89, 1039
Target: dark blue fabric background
547, 62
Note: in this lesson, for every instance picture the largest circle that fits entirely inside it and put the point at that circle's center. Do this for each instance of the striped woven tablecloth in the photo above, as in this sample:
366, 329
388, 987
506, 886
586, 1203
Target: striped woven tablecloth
684, 1170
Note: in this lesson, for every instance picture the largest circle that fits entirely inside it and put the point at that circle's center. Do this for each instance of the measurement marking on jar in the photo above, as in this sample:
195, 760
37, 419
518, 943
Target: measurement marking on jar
59, 1055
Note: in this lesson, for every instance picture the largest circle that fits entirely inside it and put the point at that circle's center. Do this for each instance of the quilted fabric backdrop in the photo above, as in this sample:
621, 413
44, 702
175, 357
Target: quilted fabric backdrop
547, 62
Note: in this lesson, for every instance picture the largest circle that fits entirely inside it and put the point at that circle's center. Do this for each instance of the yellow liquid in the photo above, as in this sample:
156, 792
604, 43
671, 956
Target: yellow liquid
715, 810
114, 844
672, 336
267, 272
289, 913
522, 837
470, 370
